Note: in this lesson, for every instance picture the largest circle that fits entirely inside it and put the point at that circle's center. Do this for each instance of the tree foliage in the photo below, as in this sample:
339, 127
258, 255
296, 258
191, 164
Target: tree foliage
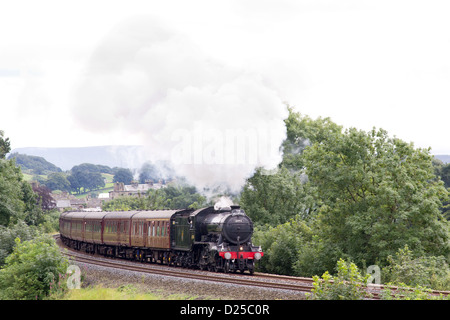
443, 171
8, 235
11, 202
123, 175
425, 271
348, 284
361, 196
275, 197
379, 194
302, 131
171, 197
44, 197
31, 269
58, 181
5, 145
85, 176
281, 245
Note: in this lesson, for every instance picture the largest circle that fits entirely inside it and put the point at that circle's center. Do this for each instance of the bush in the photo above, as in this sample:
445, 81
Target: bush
349, 284
430, 272
51, 222
403, 292
7, 236
31, 270
281, 245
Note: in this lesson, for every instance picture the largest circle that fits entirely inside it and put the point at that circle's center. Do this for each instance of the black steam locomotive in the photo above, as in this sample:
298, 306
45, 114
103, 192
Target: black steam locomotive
208, 238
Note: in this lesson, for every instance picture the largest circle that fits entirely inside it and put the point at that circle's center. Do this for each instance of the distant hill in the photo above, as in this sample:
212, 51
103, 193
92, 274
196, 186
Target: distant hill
34, 164
445, 158
112, 156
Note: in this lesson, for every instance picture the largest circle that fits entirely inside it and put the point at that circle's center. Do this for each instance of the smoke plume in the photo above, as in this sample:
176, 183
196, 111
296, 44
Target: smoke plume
213, 122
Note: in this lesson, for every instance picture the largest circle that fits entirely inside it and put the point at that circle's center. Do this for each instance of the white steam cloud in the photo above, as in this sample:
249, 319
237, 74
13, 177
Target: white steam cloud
214, 123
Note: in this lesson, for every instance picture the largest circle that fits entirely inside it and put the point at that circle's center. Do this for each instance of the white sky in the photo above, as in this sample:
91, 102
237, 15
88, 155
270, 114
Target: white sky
362, 63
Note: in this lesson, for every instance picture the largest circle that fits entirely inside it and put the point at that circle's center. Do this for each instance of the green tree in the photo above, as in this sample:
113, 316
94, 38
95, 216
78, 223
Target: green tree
58, 181
82, 177
5, 145
94, 181
445, 175
12, 205
378, 194
17, 199
176, 197
171, 197
281, 245
76, 182
302, 131
123, 175
275, 198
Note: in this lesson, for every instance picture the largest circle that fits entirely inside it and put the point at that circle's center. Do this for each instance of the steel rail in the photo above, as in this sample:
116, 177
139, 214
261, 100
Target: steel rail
299, 284
184, 273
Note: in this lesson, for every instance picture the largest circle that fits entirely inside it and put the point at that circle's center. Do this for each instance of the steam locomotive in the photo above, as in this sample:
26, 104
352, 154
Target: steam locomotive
216, 239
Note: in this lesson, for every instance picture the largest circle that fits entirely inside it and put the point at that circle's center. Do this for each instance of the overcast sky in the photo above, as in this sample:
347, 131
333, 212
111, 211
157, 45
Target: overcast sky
361, 63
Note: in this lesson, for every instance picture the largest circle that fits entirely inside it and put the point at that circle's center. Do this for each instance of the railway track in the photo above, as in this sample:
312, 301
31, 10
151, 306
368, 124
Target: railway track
261, 280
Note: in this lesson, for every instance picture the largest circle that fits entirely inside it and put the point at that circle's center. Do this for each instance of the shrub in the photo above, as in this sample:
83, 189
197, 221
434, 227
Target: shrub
349, 284
403, 292
281, 245
9, 234
31, 269
51, 222
429, 272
